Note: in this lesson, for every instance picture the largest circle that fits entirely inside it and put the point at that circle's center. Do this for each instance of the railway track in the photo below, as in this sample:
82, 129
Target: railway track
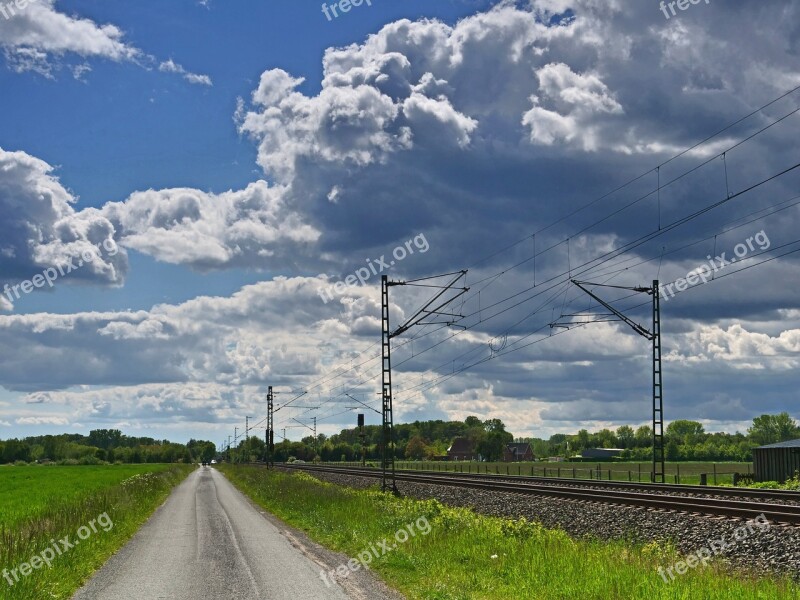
688, 490
670, 499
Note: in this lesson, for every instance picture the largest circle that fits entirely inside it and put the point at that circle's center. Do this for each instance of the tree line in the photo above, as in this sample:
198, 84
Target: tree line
684, 440
103, 446
418, 440
421, 440
428, 440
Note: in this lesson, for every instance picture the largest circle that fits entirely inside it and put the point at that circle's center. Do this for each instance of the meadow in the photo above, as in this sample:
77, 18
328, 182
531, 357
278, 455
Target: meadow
468, 556
40, 504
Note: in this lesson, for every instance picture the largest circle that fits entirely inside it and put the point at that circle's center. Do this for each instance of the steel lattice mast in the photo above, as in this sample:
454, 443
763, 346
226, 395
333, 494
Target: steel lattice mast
658, 472
388, 449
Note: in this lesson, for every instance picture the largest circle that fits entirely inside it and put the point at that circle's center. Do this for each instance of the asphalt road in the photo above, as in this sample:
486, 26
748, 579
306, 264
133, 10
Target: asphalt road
209, 541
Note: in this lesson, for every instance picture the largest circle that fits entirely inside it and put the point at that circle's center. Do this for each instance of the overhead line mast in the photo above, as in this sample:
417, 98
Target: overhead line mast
657, 473
270, 434
388, 447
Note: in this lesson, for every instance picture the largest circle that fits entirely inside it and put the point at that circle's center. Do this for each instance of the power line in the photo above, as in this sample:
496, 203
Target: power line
603, 259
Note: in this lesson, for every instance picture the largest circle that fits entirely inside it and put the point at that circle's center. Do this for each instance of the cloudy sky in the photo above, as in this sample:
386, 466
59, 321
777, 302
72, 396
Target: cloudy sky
184, 184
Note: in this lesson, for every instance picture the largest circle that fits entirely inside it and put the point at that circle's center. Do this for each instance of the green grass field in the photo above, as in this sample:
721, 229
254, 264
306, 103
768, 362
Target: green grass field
687, 473
25, 491
39, 504
467, 556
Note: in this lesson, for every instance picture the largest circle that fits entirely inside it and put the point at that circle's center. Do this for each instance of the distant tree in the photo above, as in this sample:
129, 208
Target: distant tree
769, 429
208, 452
672, 450
50, 447
685, 432
15, 450
644, 436
473, 421
541, 448
341, 449
491, 447
437, 448
168, 453
605, 438
626, 436
582, 440
495, 425
415, 449
105, 438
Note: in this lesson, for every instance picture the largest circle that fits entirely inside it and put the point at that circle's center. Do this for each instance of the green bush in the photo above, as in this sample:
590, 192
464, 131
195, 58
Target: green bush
91, 460
793, 483
764, 485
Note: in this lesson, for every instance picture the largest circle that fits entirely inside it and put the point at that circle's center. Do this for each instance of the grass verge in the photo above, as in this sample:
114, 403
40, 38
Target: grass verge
470, 556
127, 496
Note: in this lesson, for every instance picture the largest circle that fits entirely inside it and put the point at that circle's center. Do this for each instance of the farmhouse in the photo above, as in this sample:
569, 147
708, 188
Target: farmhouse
517, 452
462, 449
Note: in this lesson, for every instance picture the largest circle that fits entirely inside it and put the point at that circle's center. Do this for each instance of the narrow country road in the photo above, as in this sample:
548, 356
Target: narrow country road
208, 541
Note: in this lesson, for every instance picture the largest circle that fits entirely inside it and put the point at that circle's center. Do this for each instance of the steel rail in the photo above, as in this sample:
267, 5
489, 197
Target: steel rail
780, 513
710, 490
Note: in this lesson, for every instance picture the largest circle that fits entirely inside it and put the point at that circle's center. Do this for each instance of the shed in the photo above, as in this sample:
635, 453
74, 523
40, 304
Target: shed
602, 453
776, 462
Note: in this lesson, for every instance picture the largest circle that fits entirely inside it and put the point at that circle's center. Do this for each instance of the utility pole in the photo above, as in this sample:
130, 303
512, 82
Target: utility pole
387, 454
228, 455
235, 437
246, 438
388, 445
363, 437
658, 472
315, 437
658, 397
270, 425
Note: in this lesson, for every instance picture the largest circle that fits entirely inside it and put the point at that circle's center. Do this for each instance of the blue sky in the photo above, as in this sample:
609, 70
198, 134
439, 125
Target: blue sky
125, 128
240, 157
